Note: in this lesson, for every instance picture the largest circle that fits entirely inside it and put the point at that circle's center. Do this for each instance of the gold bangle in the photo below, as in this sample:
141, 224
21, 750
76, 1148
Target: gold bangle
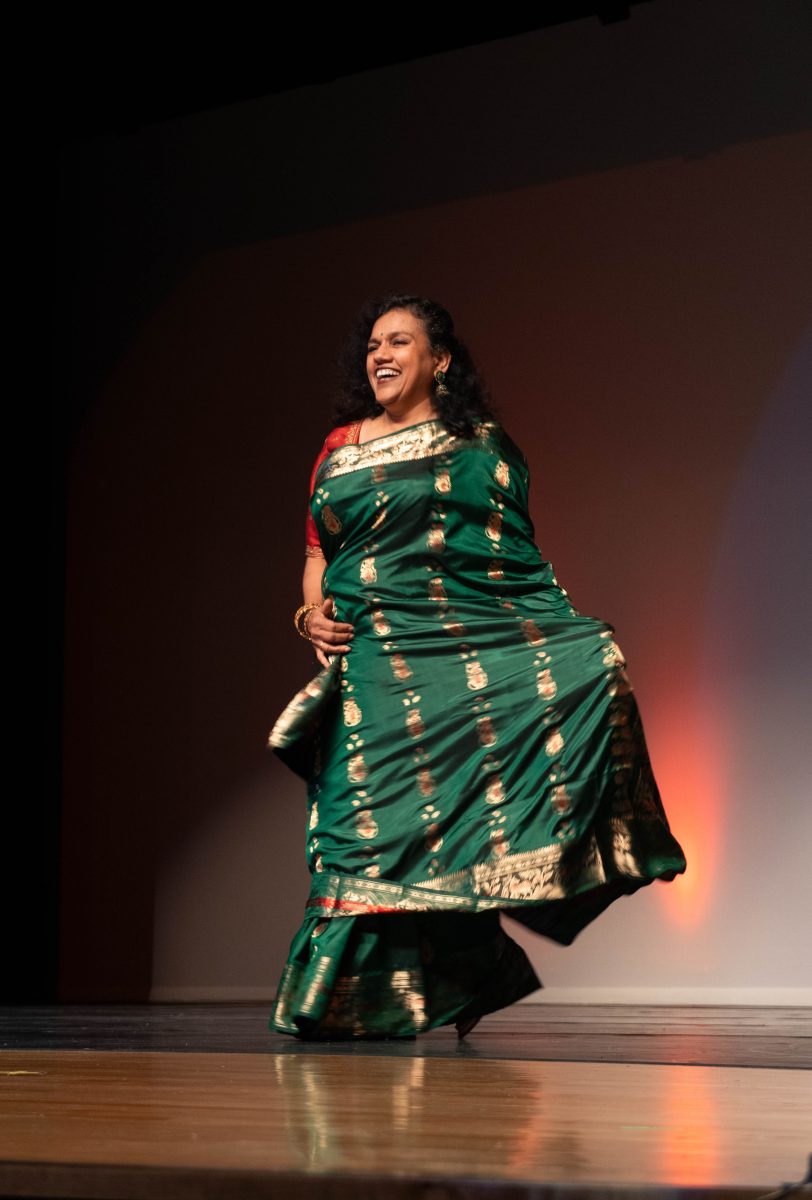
301, 622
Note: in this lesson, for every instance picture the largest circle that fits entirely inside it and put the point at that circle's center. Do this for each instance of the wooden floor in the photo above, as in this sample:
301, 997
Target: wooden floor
202, 1101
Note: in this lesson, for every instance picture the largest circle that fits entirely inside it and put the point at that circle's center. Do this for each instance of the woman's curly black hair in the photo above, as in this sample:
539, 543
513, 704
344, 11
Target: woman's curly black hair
468, 401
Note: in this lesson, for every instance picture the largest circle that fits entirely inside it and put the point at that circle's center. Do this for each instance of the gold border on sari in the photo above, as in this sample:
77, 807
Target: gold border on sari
547, 873
424, 440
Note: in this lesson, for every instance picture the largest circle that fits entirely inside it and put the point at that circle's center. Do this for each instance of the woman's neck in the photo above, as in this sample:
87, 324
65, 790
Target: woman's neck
386, 421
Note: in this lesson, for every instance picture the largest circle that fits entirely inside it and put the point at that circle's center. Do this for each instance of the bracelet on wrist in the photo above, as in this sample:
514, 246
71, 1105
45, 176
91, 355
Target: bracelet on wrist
301, 620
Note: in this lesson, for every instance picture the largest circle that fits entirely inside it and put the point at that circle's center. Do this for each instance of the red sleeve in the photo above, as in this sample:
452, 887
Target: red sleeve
337, 437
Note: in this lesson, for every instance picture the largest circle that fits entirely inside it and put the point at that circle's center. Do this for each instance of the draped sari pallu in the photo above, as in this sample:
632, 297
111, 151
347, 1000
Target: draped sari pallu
478, 749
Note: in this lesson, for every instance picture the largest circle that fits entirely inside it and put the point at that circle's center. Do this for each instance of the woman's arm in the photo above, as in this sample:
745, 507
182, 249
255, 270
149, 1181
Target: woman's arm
327, 635
311, 580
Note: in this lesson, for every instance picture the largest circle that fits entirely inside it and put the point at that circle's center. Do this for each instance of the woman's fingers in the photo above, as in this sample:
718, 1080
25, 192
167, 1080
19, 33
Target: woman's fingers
318, 623
330, 631
326, 611
328, 635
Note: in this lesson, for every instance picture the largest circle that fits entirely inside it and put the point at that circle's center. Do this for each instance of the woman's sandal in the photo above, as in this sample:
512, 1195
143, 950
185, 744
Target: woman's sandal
465, 1026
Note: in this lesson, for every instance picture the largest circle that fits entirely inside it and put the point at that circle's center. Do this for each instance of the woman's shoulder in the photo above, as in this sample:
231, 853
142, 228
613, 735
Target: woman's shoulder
494, 433
340, 435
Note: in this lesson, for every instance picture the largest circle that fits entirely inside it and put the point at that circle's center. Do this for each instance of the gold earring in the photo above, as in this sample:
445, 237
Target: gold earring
440, 378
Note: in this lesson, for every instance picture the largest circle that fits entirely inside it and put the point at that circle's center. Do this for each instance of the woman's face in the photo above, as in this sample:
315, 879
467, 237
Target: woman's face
400, 362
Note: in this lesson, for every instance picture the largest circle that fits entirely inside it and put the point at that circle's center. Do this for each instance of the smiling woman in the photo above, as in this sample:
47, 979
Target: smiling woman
472, 744
401, 368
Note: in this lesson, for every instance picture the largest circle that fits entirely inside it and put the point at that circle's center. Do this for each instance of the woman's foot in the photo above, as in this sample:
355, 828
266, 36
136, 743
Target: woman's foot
465, 1026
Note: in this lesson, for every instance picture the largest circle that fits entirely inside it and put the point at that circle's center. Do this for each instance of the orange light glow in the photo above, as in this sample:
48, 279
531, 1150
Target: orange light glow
688, 1146
691, 771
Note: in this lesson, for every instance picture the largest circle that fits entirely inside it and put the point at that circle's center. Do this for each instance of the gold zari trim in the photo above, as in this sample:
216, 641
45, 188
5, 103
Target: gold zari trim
424, 440
531, 875
278, 737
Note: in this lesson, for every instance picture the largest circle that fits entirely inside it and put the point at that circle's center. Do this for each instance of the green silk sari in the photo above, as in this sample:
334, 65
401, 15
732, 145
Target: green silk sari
479, 749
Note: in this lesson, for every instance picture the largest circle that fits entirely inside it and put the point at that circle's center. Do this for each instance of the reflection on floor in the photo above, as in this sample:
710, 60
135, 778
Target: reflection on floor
189, 1101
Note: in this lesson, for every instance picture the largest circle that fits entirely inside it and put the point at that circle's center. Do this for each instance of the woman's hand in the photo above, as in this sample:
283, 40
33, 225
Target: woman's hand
328, 635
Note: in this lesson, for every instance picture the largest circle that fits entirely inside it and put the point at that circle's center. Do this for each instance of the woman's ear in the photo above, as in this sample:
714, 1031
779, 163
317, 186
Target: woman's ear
442, 362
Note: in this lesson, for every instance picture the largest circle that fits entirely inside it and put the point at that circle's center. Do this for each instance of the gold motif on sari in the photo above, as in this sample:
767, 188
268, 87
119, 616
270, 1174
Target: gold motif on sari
475, 675
502, 473
365, 824
381, 504
331, 521
560, 798
493, 528
554, 742
532, 633
380, 623
624, 856
407, 988
368, 571
545, 684
425, 782
433, 840
400, 667
499, 844
436, 589
435, 539
495, 791
314, 816
613, 655
357, 769
442, 482
495, 569
414, 723
486, 732
352, 713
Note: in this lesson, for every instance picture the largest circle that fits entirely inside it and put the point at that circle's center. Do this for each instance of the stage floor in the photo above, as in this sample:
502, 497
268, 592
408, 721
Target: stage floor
182, 1101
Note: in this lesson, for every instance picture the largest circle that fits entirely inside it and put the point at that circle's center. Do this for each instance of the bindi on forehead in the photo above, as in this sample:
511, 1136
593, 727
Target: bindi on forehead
391, 334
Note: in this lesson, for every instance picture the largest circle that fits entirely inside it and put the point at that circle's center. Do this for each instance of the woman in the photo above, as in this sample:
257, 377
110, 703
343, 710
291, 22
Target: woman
472, 743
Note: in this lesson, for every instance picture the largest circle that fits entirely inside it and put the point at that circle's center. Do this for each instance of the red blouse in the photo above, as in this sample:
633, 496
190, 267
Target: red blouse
342, 435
